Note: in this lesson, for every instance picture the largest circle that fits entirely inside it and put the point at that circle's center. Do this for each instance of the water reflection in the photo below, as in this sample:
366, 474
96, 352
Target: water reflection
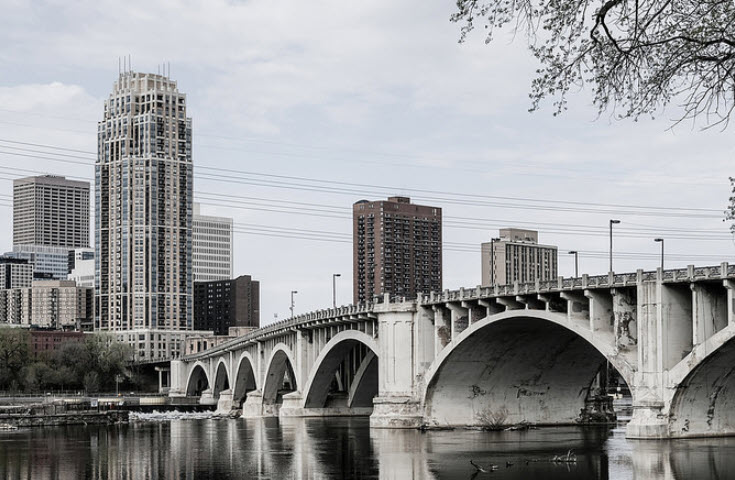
307, 449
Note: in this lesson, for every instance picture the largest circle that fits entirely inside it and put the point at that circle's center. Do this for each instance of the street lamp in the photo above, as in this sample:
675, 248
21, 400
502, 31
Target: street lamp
334, 289
293, 292
612, 222
576, 262
661, 241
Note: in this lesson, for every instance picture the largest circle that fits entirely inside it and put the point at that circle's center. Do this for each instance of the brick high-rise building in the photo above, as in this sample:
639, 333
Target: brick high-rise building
51, 211
397, 248
143, 207
221, 304
516, 256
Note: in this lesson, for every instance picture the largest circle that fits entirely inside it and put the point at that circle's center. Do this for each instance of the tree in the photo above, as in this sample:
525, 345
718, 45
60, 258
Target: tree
638, 55
14, 355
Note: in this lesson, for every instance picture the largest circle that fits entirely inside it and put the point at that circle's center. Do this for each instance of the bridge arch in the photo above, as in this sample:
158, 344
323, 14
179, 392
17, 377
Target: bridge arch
198, 380
245, 379
517, 366
280, 374
221, 378
703, 403
364, 380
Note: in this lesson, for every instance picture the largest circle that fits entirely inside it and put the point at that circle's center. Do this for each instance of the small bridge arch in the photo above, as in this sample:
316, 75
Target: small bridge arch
531, 366
280, 377
350, 350
246, 380
221, 378
198, 381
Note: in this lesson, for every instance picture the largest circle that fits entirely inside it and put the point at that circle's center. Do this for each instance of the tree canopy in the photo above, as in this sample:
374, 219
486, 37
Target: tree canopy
638, 55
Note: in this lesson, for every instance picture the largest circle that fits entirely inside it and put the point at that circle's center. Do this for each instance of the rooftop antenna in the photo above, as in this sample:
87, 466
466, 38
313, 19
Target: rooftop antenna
119, 71
130, 68
169, 69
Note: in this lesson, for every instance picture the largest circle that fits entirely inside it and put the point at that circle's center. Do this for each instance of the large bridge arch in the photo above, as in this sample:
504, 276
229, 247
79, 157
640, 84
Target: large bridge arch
280, 366
221, 378
321, 376
703, 404
517, 366
246, 380
197, 381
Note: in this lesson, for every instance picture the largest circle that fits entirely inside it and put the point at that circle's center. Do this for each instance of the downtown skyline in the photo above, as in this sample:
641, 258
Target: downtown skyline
460, 127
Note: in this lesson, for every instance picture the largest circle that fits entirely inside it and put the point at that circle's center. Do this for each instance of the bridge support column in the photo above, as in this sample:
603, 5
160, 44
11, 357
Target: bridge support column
253, 406
397, 404
177, 379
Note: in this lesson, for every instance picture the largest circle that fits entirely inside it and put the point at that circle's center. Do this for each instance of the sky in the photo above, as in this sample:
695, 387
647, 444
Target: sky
301, 109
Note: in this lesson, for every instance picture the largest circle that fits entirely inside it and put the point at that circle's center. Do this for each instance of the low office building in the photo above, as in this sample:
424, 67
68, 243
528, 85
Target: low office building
516, 256
45, 342
220, 305
49, 262
152, 345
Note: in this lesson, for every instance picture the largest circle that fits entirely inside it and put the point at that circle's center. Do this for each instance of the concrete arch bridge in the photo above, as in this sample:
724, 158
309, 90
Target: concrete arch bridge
495, 356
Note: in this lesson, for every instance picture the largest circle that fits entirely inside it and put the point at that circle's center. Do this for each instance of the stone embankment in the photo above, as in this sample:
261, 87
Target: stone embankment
48, 416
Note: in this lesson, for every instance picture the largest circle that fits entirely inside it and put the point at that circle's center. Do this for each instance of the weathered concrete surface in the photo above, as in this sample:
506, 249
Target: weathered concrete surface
511, 372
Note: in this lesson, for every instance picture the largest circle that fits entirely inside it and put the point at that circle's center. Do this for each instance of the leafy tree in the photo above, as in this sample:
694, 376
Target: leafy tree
14, 355
92, 382
638, 55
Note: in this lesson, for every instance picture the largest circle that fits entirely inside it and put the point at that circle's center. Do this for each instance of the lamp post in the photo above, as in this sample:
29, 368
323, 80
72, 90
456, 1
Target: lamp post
661, 241
293, 292
334, 289
612, 222
576, 262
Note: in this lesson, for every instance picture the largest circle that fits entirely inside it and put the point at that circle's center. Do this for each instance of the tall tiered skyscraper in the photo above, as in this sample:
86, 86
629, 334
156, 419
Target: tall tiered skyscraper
397, 249
143, 208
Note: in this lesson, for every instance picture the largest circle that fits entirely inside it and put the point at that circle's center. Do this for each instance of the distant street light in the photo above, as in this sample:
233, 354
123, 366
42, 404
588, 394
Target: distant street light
293, 292
612, 222
576, 262
334, 289
661, 241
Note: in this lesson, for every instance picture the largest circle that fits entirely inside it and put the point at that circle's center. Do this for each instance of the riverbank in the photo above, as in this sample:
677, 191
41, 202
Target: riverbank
11, 421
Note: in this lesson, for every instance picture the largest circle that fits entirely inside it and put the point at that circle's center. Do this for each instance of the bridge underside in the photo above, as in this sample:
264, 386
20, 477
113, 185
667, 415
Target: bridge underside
513, 372
705, 403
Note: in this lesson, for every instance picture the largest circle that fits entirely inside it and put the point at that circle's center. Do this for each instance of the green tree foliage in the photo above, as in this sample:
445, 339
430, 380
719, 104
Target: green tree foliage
91, 365
14, 356
638, 55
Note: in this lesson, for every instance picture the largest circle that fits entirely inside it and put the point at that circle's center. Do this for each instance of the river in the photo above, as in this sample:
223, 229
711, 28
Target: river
339, 448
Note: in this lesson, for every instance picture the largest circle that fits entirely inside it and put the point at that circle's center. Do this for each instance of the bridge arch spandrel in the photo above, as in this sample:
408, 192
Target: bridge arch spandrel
246, 377
331, 355
517, 366
702, 389
198, 380
280, 364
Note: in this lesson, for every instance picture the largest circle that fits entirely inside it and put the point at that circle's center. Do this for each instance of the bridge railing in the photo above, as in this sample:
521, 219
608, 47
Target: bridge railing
723, 270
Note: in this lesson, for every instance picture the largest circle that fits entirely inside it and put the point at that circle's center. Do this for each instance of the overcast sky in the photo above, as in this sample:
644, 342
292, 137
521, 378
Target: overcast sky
295, 97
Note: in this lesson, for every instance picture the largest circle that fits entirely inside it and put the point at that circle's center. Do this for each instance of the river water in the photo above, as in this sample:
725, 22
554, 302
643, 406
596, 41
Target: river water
339, 448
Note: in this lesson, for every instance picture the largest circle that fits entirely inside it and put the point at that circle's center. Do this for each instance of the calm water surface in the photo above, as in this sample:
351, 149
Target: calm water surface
346, 448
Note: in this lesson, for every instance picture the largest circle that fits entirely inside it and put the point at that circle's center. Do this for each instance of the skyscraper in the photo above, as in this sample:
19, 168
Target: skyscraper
211, 247
143, 207
397, 248
516, 256
51, 211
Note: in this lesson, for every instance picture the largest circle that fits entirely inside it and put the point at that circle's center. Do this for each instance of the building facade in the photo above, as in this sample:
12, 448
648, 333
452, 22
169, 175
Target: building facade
48, 304
211, 247
15, 273
143, 207
397, 249
81, 267
52, 211
222, 304
516, 256
45, 342
49, 262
